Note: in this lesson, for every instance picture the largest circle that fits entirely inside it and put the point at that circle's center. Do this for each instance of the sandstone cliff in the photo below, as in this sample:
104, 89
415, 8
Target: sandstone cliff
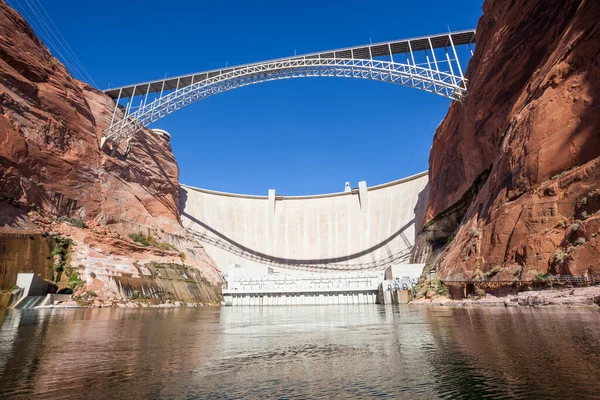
55, 181
515, 168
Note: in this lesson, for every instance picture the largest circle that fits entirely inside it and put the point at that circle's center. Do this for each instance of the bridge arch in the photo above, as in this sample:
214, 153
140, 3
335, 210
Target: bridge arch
435, 74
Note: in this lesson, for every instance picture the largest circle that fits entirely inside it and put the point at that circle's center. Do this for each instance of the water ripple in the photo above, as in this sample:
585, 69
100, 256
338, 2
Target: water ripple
300, 352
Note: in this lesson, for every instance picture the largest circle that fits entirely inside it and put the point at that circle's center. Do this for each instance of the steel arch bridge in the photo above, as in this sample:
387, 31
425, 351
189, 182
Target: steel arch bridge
429, 63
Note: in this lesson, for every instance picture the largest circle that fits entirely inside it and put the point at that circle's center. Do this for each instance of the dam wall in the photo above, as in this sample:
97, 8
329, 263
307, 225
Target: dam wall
363, 228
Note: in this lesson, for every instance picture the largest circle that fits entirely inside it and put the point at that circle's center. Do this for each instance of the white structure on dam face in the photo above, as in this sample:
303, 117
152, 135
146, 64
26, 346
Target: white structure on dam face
362, 229
264, 287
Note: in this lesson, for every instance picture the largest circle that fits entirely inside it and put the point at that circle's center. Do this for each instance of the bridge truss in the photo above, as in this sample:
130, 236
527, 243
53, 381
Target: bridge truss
429, 63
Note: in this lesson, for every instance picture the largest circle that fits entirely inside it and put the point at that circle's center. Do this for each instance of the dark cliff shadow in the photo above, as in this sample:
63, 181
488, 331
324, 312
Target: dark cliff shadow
155, 153
589, 122
420, 208
12, 217
182, 199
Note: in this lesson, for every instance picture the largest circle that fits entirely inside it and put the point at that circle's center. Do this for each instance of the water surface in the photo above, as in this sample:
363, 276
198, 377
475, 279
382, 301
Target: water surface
301, 352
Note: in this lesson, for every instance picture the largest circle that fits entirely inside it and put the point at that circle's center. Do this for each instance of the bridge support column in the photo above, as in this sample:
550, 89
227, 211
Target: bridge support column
450, 65
456, 57
116, 107
433, 55
130, 102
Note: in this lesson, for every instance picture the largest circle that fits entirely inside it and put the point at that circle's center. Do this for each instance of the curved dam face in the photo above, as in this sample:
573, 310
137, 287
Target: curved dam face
364, 228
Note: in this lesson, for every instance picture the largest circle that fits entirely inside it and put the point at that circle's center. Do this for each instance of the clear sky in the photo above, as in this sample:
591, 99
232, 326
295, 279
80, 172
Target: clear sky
300, 136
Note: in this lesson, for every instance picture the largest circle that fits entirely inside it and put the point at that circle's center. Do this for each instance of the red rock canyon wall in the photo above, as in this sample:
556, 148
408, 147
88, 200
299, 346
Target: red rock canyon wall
51, 166
515, 168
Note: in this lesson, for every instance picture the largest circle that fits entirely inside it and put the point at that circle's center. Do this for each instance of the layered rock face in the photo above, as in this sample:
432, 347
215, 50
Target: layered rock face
52, 170
515, 168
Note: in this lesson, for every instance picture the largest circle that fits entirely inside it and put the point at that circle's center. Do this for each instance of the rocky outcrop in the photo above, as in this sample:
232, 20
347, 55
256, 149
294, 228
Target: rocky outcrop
54, 177
527, 297
515, 168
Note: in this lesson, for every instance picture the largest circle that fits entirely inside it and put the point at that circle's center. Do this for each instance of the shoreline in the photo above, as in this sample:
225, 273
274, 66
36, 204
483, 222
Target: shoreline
588, 297
564, 297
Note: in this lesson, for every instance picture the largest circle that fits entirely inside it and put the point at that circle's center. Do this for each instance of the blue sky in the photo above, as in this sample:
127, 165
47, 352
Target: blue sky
301, 136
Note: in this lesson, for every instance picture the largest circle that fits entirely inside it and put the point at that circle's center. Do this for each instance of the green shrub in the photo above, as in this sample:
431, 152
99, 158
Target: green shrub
73, 221
558, 175
580, 241
492, 272
74, 281
9, 290
91, 293
540, 276
435, 283
60, 246
559, 256
474, 232
573, 228
138, 296
151, 241
478, 275
74, 277
140, 238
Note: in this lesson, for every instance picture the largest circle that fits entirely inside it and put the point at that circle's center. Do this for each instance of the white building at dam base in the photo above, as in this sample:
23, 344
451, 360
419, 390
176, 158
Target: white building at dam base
263, 286
320, 249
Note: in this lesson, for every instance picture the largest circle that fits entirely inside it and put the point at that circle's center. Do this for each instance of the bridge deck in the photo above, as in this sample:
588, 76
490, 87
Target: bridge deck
374, 50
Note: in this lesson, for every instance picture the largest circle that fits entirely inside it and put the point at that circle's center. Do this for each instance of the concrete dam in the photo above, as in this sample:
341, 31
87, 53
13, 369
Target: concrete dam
289, 245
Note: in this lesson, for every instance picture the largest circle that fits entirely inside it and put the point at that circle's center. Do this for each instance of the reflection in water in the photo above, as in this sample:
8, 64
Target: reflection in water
517, 352
312, 351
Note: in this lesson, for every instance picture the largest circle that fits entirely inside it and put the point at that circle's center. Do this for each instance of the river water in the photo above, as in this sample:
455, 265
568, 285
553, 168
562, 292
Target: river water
301, 352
